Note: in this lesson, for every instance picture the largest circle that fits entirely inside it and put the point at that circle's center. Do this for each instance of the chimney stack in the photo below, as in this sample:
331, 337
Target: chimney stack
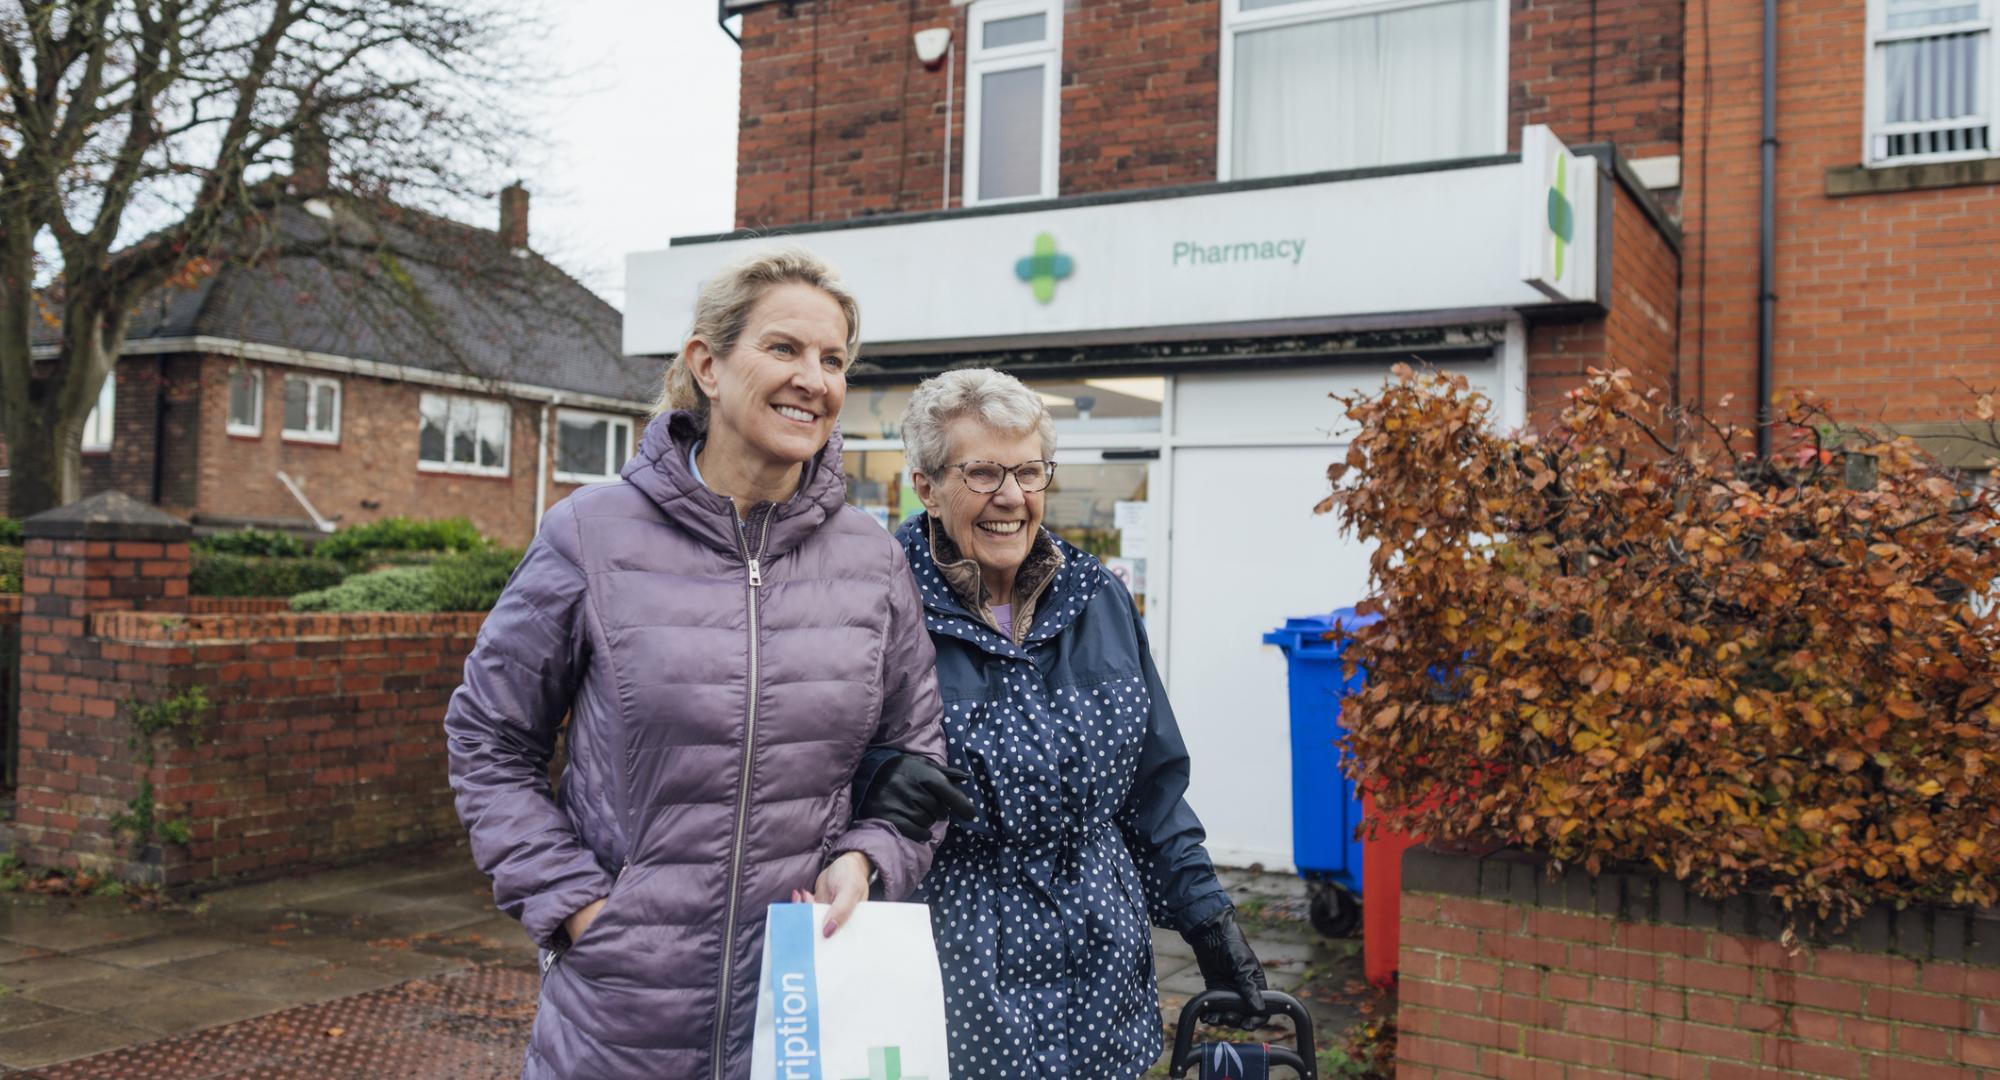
514, 216
311, 164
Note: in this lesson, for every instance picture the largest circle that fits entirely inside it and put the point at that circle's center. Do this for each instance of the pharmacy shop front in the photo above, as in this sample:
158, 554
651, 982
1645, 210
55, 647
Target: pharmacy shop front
1187, 343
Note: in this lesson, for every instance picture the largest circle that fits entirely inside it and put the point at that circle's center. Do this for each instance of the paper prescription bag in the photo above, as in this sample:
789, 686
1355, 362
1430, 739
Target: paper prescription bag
865, 1004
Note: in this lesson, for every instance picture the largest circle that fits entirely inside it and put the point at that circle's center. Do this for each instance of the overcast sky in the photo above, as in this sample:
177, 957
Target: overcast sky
642, 135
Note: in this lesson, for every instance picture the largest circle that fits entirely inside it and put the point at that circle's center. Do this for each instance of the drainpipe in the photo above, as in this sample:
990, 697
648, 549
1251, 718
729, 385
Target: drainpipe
1767, 232
542, 466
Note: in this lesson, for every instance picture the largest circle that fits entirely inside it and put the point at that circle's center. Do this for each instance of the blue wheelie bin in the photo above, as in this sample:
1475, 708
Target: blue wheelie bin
1326, 810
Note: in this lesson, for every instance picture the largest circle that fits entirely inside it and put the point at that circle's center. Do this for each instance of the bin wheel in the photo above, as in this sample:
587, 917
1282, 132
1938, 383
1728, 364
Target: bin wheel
1336, 913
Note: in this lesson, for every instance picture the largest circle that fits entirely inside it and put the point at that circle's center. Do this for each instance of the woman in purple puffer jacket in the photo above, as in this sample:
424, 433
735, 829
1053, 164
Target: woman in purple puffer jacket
726, 638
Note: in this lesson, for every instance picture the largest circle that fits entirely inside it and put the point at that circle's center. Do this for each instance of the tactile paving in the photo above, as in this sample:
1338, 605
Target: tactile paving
469, 1025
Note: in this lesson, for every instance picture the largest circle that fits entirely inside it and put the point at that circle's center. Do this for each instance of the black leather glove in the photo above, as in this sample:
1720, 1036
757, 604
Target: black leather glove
1228, 964
913, 793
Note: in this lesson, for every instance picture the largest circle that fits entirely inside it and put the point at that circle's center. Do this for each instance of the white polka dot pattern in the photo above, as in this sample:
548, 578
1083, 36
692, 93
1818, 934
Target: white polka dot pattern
1040, 908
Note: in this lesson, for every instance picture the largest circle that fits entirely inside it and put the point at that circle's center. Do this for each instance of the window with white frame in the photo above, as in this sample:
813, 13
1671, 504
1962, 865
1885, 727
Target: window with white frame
590, 446
246, 401
97, 427
1931, 91
1318, 85
312, 408
1013, 79
463, 434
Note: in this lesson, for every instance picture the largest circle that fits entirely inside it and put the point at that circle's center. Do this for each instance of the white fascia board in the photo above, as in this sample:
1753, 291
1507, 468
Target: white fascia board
1657, 173
348, 365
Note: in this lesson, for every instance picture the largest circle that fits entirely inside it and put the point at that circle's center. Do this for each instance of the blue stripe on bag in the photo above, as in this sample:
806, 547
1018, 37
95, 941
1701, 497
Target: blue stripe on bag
788, 937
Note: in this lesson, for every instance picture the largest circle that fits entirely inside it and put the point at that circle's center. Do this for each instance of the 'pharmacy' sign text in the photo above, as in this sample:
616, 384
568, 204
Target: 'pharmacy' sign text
1253, 251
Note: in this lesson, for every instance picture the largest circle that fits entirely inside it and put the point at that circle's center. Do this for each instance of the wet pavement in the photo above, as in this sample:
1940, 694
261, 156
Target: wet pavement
400, 968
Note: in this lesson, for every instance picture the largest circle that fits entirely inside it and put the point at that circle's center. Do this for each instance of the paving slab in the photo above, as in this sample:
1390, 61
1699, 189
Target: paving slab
161, 950
18, 1010
10, 952
237, 965
56, 930
111, 992
202, 1007
321, 983
69, 1037
48, 970
423, 919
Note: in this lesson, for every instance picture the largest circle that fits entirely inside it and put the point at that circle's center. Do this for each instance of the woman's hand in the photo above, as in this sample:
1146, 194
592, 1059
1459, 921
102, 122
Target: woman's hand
578, 923
1227, 963
842, 885
913, 793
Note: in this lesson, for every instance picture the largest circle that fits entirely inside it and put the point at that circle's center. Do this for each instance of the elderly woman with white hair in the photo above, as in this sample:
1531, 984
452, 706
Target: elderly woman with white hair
1081, 834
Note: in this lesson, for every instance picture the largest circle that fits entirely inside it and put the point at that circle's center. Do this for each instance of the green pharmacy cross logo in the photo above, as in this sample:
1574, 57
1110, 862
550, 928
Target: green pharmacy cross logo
1562, 214
886, 1062
1041, 271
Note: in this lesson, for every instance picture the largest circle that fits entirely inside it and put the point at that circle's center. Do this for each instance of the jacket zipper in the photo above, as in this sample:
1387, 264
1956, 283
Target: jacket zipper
752, 563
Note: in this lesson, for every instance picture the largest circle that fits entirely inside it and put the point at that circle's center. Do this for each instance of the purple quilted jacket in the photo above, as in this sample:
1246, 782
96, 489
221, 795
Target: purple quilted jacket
722, 681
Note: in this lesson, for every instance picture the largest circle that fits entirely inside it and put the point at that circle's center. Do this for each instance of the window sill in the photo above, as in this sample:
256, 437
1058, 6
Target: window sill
1922, 176
96, 451
584, 478
309, 439
244, 433
432, 468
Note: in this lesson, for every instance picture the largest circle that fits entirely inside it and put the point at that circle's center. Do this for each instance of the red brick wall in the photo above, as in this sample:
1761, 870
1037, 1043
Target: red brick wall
1630, 95
322, 744
1638, 333
375, 461
1885, 301
208, 470
10, 680
152, 390
77, 769
839, 120
1506, 985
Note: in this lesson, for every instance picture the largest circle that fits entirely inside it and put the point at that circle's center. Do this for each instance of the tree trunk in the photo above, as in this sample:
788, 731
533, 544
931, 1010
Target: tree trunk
44, 424
44, 465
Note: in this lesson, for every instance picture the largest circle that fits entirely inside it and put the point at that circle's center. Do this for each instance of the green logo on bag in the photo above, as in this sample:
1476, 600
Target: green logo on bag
886, 1063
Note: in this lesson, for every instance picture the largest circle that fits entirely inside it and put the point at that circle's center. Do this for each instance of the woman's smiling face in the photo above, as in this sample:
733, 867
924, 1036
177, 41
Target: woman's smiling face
779, 391
995, 529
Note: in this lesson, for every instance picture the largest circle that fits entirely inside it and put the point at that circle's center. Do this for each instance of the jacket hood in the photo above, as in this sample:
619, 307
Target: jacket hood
660, 470
1075, 583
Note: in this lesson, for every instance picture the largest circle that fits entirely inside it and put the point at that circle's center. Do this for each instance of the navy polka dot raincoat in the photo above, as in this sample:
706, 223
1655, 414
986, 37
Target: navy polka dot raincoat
1041, 904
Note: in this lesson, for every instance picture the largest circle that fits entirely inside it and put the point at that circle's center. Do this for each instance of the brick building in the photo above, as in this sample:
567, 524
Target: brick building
414, 366
1185, 222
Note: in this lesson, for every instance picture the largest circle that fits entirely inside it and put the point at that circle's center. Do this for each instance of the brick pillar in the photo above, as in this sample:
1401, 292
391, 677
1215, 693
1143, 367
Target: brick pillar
77, 769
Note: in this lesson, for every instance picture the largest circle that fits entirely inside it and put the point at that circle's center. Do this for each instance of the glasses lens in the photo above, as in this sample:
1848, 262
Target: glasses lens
1033, 476
984, 476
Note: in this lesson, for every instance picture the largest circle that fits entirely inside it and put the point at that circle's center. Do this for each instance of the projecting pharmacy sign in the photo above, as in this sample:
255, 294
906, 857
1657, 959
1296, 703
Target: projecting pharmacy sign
1478, 240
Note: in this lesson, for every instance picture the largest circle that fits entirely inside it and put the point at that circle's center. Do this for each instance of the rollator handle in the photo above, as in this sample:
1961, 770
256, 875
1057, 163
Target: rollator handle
1187, 1055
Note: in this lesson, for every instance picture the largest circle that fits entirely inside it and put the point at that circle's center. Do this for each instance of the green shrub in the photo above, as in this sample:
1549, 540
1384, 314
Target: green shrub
357, 543
217, 574
10, 569
10, 532
400, 588
250, 542
472, 581
468, 581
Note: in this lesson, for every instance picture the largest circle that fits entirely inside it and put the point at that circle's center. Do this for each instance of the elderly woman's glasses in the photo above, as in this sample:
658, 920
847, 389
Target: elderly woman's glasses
985, 477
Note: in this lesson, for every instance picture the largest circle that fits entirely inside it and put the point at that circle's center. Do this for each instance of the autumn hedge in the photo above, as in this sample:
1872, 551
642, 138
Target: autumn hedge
1630, 640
